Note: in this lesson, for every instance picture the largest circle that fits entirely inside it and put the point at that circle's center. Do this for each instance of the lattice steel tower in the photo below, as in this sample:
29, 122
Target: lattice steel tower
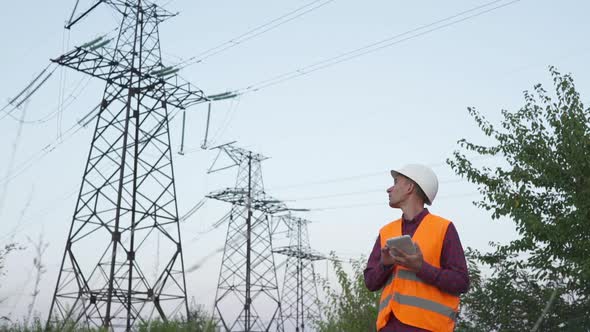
299, 296
247, 288
127, 196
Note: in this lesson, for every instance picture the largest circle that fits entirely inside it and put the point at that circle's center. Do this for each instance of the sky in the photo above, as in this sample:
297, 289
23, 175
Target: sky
331, 135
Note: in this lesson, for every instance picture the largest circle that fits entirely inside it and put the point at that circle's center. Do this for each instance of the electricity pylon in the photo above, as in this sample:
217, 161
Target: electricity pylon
247, 297
128, 194
299, 296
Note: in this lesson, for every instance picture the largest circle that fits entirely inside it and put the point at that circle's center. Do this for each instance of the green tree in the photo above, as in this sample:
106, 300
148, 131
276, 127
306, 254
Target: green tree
543, 186
352, 307
512, 299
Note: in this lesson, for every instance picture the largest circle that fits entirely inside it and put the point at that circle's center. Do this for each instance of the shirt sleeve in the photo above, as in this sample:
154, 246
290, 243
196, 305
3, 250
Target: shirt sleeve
452, 277
376, 274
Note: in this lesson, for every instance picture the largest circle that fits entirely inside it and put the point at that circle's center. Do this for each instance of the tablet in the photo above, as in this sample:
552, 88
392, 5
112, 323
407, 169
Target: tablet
403, 243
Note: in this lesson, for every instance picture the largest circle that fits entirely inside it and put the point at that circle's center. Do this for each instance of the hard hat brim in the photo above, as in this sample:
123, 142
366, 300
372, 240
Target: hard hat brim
394, 173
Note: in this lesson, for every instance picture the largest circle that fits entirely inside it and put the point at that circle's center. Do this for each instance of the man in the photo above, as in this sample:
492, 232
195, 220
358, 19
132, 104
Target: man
420, 291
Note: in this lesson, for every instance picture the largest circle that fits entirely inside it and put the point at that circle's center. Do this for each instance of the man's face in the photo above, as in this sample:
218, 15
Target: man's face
399, 192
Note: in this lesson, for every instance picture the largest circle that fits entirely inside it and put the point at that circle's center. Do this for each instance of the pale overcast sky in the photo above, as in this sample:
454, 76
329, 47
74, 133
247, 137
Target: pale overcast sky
332, 135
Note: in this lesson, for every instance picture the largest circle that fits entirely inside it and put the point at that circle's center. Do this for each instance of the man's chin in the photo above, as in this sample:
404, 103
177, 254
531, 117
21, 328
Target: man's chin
393, 205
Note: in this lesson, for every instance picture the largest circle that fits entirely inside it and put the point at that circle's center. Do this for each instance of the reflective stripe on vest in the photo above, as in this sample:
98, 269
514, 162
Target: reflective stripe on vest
408, 275
426, 305
384, 303
403, 274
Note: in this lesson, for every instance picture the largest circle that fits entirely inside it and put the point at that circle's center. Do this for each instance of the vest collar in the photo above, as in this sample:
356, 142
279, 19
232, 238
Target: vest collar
418, 218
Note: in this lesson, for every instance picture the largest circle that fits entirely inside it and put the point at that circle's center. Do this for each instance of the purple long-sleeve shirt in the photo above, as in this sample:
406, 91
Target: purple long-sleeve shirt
452, 277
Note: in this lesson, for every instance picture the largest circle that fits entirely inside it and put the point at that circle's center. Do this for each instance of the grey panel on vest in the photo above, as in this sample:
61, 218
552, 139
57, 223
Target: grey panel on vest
384, 303
426, 305
408, 275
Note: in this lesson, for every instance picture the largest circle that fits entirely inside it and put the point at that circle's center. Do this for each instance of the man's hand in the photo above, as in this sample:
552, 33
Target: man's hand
386, 258
411, 262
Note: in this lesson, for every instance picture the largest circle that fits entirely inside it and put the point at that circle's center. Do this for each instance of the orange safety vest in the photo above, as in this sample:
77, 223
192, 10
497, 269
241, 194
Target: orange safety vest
410, 299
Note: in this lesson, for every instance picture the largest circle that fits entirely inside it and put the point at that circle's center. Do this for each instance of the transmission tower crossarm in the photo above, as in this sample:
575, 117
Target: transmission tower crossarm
91, 60
303, 253
182, 94
94, 60
240, 197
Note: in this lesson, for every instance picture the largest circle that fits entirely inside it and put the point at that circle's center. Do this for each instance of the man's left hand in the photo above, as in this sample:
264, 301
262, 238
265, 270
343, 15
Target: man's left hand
411, 262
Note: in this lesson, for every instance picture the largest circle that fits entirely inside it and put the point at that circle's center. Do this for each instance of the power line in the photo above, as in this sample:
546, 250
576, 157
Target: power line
368, 174
227, 122
36, 216
192, 210
345, 178
40, 155
370, 48
350, 206
373, 47
199, 263
26, 88
268, 26
354, 193
12, 158
62, 83
69, 133
331, 180
68, 101
28, 91
37, 156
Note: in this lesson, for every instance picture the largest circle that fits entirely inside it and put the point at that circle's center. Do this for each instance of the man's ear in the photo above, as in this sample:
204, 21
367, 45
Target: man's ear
411, 187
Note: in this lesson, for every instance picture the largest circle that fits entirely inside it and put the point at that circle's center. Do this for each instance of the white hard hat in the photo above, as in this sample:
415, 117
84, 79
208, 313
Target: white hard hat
423, 176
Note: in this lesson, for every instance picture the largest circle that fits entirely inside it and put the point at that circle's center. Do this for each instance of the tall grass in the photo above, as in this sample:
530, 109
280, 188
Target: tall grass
198, 321
36, 325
